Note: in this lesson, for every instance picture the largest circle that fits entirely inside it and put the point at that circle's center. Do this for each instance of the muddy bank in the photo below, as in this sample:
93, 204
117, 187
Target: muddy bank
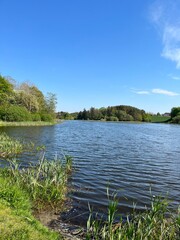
54, 221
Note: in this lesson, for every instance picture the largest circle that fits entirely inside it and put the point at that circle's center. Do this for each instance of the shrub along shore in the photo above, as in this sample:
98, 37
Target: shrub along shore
24, 191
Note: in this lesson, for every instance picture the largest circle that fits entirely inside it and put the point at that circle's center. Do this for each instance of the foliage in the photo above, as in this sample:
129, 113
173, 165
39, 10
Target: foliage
116, 113
175, 111
14, 114
46, 117
175, 115
65, 115
6, 90
112, 118
9, 146
152, 224
36, 117
24, 102
45, 183
50, 104
176, 119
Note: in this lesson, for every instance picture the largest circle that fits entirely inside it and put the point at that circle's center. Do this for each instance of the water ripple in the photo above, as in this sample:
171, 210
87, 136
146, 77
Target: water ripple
129, 158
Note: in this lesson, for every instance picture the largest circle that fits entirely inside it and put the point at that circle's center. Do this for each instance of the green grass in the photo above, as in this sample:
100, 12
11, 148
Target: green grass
16, 219
156, 223
159, 119
45, 183
27, 190
38, 123
36, 189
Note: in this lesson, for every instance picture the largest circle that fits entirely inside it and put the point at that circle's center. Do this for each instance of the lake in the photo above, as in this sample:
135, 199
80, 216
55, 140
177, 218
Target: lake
128, 158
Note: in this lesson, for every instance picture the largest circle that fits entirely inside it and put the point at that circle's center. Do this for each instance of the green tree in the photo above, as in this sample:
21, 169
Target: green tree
50, 103
6, 90
175, 111
39, 98
26, 99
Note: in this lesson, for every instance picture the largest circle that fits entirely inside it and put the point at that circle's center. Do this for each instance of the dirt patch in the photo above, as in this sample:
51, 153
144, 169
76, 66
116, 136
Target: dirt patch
68, 231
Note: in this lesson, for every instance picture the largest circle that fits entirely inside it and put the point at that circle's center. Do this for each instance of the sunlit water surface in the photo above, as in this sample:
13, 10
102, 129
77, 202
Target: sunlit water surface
129, 158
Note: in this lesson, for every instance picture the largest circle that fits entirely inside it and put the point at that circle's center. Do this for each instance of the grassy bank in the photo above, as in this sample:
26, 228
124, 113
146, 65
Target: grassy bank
16, 219
38, 123
33, 189
26, 190
159, 119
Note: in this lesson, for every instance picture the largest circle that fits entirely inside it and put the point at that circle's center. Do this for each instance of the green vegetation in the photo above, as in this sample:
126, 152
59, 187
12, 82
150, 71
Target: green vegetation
37, 123
153, 224
25, 102
23, 190
16, 220
46, 183
116, 113
159, 119
66, 116
44, 187
9, 147
175, 115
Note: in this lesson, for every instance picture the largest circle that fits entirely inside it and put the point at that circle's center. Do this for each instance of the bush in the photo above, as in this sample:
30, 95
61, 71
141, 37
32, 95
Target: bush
36, 117
115, 119
46, 117
176, 119
14, 113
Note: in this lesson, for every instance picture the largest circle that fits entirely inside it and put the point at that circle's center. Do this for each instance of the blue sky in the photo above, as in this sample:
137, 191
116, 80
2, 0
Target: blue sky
95, 52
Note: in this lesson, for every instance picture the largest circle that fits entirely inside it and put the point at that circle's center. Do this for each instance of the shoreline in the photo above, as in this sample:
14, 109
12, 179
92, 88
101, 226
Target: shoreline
28, 124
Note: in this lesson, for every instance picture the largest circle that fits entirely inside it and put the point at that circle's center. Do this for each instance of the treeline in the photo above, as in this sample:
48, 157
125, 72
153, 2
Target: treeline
25, 102
115, 113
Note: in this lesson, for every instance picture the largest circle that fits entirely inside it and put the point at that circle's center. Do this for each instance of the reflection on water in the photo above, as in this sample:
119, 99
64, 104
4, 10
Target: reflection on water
127, 157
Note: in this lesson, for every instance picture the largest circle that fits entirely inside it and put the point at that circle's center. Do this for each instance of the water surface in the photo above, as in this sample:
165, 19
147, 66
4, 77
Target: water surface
128, 157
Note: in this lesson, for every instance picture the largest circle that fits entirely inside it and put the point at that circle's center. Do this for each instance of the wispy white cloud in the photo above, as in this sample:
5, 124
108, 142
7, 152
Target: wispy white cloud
164, 92
142, 92
155, 91
166, 18
174, 77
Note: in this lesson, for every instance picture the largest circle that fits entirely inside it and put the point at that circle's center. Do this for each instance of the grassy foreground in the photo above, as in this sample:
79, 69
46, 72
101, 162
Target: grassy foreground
27, 190
22, 191
16, 219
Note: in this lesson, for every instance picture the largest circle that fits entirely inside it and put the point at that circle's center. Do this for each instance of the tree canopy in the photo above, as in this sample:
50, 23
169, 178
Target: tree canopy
114, 113
175, 115
25, 102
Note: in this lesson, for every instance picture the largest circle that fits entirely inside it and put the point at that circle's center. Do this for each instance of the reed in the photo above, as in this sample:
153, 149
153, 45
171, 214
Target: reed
156, 223
9, 146
38, 123
39, 187
45, 183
